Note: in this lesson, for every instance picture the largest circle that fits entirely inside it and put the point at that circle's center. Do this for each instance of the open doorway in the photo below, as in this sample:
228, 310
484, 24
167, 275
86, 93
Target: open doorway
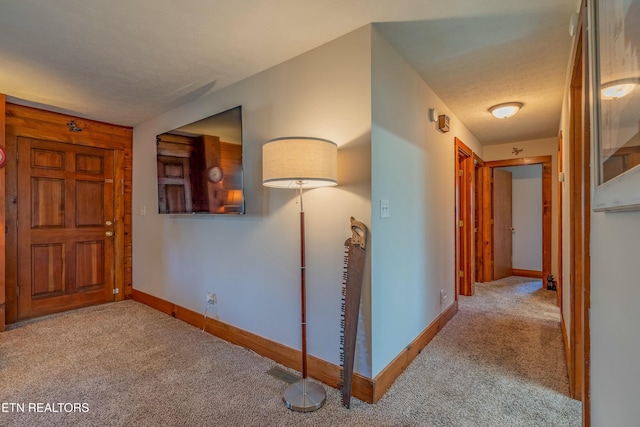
525, 230
493, 223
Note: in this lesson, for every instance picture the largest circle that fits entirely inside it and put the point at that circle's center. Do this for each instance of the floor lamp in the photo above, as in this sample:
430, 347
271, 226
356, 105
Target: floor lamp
299, 163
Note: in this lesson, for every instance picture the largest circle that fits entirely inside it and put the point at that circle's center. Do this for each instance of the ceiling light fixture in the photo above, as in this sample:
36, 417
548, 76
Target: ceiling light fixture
502, 111
618, 88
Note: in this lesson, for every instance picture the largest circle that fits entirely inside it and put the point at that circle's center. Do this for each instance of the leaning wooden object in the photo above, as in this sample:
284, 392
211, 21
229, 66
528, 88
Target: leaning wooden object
351, 290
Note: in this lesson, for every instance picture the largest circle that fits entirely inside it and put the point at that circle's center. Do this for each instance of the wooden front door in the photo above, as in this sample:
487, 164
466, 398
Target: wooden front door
65, 226
502, 225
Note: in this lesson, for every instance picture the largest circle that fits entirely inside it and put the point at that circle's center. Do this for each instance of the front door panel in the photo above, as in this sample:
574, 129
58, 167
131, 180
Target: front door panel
65, 226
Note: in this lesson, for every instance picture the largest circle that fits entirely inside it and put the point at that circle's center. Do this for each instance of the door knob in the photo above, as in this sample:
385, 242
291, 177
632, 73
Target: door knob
512, 229
108, 233
108, 223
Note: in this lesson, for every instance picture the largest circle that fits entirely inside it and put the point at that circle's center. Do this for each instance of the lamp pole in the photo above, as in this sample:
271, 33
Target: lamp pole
303, 287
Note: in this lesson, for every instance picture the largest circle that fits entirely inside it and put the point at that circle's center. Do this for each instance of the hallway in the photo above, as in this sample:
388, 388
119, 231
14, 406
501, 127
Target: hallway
499, 361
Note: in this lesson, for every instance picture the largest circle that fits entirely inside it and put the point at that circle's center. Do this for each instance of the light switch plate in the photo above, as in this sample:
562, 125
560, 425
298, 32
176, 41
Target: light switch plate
384, 209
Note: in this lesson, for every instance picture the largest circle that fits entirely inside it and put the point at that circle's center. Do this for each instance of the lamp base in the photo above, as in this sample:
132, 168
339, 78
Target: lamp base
304, 396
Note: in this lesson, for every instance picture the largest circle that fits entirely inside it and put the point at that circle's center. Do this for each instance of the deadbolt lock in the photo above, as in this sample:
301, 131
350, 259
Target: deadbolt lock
109, 223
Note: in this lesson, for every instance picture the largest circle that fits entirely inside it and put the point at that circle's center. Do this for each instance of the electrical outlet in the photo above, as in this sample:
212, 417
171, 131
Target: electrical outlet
212, 298
443, 296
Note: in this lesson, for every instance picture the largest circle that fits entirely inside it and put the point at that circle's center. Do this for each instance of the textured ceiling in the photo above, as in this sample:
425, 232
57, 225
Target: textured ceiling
125, 62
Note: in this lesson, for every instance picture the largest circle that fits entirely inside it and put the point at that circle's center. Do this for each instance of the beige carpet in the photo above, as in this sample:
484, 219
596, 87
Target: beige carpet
499, 362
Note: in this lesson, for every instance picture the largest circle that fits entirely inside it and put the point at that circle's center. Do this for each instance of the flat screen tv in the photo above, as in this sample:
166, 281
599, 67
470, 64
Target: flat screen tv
200, 166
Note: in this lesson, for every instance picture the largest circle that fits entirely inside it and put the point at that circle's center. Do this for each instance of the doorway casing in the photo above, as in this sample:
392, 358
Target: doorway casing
464, 219
487, 219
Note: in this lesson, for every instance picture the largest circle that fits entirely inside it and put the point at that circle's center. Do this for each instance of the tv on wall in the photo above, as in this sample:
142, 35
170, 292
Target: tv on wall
200, 166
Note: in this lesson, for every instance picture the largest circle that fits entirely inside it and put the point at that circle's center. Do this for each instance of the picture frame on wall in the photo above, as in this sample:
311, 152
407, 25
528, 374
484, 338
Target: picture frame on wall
614, 69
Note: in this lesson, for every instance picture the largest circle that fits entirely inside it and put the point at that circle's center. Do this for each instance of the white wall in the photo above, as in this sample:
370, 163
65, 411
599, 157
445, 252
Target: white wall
412, 167
615, 297
535, 148
252, 261
359, 92
526, 197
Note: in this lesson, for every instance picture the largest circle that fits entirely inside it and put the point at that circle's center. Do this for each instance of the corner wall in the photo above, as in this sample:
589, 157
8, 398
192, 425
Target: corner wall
413, 251
252, 261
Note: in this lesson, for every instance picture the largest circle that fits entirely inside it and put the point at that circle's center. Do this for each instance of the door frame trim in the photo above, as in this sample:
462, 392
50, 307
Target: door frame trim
42, 124
464, 213
2, 217
579, 214
559, 219
545, 161
478, 215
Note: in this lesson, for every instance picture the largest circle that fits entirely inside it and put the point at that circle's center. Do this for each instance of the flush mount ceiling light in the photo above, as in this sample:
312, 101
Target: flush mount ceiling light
618, 88
502, 111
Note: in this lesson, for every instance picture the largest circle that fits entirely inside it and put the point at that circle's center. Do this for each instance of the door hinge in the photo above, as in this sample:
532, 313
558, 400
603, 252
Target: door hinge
461, 223
460, 172
17, 156
461, 273
16, 223
116, 291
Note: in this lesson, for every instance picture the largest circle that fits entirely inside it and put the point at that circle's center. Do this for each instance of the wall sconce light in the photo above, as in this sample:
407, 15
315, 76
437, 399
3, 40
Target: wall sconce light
503, 111
618, 88
443, 123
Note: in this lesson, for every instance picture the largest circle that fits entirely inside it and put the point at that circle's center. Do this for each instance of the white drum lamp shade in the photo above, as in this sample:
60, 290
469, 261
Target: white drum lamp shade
291, 162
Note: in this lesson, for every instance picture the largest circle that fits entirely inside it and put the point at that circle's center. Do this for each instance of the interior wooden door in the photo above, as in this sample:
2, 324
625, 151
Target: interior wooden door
502, 225
65, 226
461, 252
